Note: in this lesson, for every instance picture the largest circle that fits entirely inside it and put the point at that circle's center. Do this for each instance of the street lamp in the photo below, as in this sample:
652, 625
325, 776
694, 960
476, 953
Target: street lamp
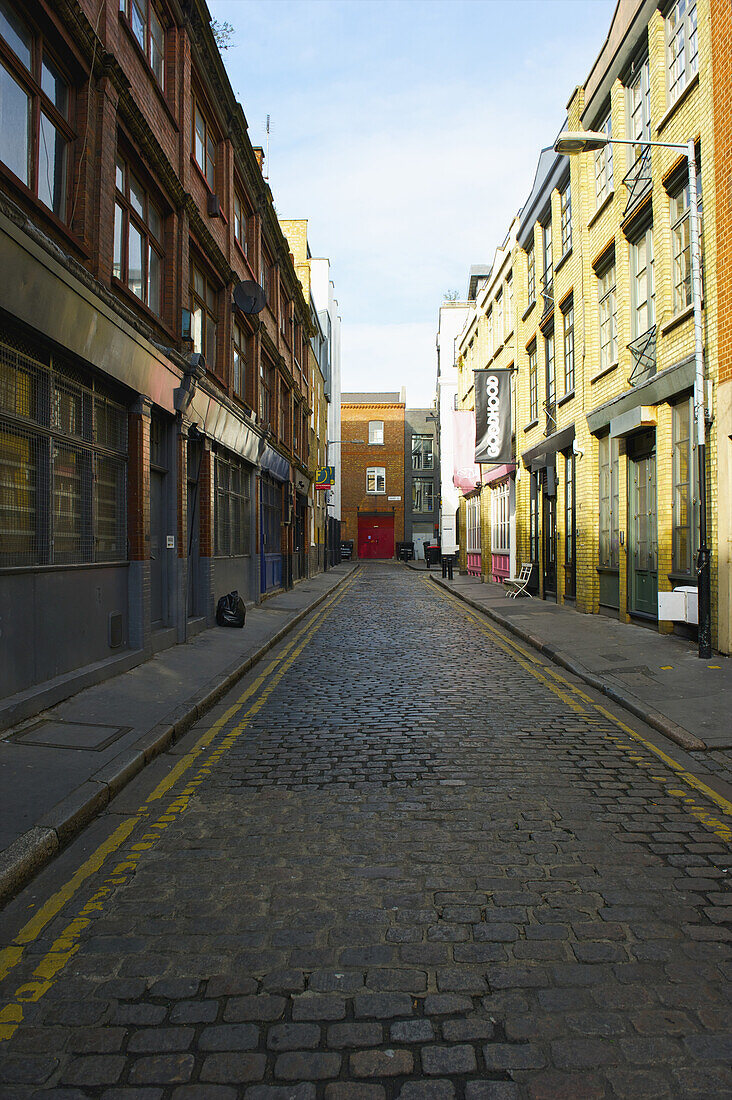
585, 141
328, 444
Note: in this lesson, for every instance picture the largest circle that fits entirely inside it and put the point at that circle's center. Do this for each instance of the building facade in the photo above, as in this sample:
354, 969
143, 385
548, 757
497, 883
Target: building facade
372, 467
606, 487
451, 320
421, 479
152, 432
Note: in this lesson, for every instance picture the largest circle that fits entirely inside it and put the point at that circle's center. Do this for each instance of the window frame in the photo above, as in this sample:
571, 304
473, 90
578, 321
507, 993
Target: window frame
638, 110
679, 225
210, 313
129, 215
608, 549
240, 352
683, 449
240, 221
232, 508
28, 79
642, 272
567, 310
376, 428
374, 474
680, 75
418, 454
531, 273
533, 382
607, 313
604, 183
500, 519
209, 143
565, 217
423, 495
147, 47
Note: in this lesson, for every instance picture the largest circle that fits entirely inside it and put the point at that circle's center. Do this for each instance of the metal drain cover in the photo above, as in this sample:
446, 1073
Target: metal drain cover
71, 735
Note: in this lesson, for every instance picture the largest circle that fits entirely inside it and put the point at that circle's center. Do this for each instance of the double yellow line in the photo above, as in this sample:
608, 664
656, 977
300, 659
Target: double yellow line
66, 945
582, 704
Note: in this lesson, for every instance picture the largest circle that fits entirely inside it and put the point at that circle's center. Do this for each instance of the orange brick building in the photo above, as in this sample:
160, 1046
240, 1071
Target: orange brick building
372, 469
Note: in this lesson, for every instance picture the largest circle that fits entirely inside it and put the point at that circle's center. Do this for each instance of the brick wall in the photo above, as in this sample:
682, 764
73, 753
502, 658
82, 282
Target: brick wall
356, 458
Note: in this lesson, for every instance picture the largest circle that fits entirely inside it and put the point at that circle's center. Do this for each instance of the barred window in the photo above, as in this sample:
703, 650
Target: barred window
423, 494
63, 464
422, 455
233, 525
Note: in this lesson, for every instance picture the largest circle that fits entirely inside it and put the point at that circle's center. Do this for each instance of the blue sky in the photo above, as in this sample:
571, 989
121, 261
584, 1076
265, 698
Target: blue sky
407, 132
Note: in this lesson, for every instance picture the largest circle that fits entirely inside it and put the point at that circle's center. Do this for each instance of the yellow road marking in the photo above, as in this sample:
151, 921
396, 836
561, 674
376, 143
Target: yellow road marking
66, 945
508, 644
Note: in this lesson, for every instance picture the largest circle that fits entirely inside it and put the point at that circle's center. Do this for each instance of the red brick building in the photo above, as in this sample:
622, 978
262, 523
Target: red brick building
372, 464
153, 437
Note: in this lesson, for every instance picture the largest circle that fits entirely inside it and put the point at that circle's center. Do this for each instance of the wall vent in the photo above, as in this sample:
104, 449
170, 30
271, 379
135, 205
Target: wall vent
116, 633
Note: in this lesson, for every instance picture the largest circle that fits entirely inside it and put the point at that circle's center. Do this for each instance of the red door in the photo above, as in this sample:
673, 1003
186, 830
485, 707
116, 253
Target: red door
376, 536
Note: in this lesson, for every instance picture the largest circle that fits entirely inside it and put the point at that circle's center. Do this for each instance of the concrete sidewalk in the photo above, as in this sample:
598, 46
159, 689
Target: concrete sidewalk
657, 677
61, 767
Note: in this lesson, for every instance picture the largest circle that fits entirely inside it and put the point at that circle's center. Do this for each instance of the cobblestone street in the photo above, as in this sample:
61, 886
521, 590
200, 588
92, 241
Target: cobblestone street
403, 858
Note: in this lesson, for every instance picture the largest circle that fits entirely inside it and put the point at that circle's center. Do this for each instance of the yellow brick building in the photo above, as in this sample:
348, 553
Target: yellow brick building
606, 489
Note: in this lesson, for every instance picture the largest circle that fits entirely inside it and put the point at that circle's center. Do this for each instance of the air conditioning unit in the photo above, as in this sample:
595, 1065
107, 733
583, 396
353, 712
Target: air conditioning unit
214, 207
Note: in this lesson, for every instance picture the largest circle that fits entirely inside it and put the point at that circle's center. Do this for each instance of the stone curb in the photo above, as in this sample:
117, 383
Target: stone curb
36, 847
653, 718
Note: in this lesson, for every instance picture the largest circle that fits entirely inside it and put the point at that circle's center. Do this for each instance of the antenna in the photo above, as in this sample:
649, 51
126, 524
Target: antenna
266, 159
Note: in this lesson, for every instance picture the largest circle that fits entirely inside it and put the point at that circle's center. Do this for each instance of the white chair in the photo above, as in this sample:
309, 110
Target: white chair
519, 585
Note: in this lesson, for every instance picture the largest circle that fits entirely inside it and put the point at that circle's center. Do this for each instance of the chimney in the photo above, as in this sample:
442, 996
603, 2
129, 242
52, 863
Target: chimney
259, 154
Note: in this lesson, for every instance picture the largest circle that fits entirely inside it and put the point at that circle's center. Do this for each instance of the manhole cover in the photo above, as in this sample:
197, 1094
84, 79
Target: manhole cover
71, 735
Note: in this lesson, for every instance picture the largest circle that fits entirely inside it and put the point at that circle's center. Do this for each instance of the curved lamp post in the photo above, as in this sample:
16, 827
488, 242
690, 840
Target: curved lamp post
571, 142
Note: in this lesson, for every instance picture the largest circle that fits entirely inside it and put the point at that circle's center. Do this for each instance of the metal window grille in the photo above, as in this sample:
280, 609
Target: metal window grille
233, 526
422, 456
423, 495
63, 468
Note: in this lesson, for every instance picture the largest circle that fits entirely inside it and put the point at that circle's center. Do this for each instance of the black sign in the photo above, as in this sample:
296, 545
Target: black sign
493, 417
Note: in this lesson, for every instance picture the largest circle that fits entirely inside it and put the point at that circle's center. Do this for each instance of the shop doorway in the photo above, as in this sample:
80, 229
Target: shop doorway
643, 526
549, 533
158, 525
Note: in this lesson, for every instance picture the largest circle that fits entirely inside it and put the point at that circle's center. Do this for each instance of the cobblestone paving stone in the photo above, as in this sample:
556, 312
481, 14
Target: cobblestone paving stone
418, 873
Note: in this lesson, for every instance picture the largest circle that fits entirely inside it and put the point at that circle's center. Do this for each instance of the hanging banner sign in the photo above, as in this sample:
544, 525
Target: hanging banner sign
325, 477
493, 416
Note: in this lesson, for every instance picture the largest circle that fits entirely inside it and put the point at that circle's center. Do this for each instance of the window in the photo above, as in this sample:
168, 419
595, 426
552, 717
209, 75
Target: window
138, 231
642, 291
546, 234
241, 224
35, 101
608, 317
533, 384
240, 353
682, 47
265, 275
565, 214
681, 241
550, 377
63, 464
568, 324
285, 410
569, 509
685, 502
376, 479
509, 305
148, 30
609, 502
204, 145
500, 520
604, 164
422, 454
472, 521
423, 494
233, 525
204, 311
534, 517
638, 111
266, 373
376, 431
531, 273
489, 329
500, 326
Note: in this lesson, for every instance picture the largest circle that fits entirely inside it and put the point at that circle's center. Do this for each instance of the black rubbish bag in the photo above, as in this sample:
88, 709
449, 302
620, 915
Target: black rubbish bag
230, 610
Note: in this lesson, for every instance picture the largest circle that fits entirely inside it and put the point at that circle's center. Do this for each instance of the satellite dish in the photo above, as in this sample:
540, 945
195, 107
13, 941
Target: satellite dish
249, 297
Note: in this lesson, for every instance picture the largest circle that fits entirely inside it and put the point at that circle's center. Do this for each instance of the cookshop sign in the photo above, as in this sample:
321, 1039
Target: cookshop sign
493, 416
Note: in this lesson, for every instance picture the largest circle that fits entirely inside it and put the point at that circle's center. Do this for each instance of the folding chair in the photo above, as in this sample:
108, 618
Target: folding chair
519, 585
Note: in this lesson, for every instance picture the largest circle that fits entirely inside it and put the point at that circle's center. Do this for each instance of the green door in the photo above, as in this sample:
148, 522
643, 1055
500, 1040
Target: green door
643, 549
